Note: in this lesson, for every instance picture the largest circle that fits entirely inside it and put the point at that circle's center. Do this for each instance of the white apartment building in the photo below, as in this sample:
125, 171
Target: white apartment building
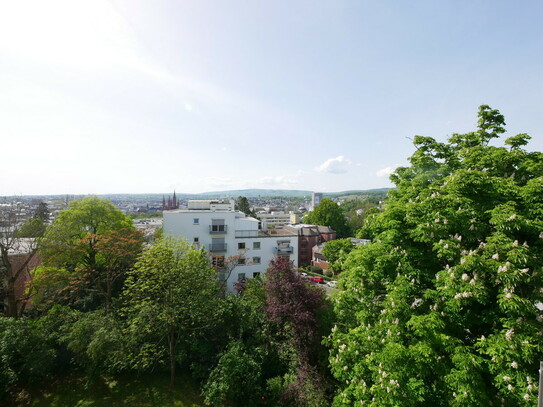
225, 232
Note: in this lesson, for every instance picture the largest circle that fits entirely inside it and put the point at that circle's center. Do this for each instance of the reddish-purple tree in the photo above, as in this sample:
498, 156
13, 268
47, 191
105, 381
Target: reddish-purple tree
291, 302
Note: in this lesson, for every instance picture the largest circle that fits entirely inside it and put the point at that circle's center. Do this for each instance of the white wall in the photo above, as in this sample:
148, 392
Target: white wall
181, 224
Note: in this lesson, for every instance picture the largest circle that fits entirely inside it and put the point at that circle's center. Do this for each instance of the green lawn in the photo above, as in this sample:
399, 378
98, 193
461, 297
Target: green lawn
144, 390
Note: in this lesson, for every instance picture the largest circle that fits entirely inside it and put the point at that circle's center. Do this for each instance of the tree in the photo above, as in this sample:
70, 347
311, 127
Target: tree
336, 251
26, 356
86, 253
170, 299
16, 256
293, 306
328, 213
42, 212
242, 204
35, 226
442, 307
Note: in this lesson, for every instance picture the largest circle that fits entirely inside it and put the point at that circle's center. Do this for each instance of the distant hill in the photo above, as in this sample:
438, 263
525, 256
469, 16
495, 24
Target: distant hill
249, 193
278, 193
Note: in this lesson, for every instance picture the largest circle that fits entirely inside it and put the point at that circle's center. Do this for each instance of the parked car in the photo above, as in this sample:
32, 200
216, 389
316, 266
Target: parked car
331, 284
303, 274
319, 280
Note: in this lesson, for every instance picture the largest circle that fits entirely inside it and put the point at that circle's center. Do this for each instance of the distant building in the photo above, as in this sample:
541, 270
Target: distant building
229, 234
308, 237
172, 203
22, 253
275, 219
316, 199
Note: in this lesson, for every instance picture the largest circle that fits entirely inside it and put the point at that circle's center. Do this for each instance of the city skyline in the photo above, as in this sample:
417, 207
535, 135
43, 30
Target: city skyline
135, 97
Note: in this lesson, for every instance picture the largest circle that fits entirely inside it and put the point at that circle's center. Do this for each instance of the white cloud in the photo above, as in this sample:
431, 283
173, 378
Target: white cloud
277, 181
188, 107
385, 172
219, 183
336, 165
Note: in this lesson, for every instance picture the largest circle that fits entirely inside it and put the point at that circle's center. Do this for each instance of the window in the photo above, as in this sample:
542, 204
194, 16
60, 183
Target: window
196, 240
256, 274
256, 245
241, 261
256, 260
218, 261
241, 276
196, 221
217, 226
241, 246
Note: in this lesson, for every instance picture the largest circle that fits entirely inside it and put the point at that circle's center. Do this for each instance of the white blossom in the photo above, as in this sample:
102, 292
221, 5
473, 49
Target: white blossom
509, 334
465, 277
496, 256
514, 365
506, 378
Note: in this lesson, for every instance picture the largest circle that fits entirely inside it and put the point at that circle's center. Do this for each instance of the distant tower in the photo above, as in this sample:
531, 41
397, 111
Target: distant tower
316, 199
173, 203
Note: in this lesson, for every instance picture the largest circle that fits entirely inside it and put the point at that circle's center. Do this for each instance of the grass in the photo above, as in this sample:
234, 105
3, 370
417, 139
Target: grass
144, 390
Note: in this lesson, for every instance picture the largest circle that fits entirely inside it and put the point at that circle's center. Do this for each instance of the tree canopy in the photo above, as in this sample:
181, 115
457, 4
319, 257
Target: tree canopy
336, 251
86, 253
242, 204
444, 306
170, 298
329, 213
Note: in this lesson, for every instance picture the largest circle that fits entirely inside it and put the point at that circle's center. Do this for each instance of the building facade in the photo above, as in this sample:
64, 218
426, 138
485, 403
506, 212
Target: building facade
275, 219
230, 236
308, 237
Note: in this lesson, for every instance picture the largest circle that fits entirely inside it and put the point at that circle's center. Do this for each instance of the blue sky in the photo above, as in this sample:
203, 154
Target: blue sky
149, 96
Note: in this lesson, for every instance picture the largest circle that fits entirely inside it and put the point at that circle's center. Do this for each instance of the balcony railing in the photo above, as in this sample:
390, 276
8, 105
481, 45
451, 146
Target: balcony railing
247, 233
284, 250
217, 247
218, 228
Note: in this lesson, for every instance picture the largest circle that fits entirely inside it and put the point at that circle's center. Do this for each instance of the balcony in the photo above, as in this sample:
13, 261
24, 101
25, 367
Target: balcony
284, 250
248, 233
215, 229
217, 247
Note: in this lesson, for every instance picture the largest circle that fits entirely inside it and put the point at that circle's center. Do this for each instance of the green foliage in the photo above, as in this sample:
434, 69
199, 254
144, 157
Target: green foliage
33, 227
356, 210
242, 204
237, 378
315, 269
97, 342
336, 251
328, 213
26, 356
170, 299
85, 255
440, 308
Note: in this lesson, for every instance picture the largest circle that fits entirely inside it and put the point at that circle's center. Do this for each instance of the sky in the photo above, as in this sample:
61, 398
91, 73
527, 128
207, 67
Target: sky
133, 96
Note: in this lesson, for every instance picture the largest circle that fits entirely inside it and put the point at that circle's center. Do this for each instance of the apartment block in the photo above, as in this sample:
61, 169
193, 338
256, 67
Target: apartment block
228, 234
